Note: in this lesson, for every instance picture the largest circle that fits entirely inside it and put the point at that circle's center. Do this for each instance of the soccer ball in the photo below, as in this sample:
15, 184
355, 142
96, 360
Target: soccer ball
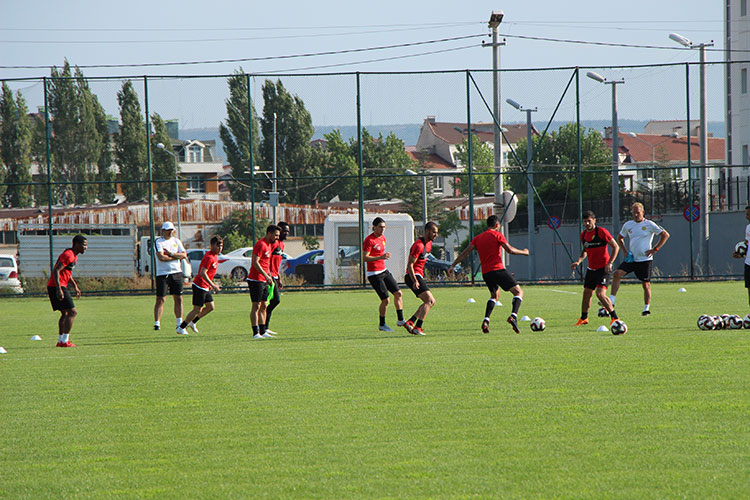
538, 325
746, 321
618, 327
706, 322
719, 322
603, 312
725, 320
735, 322
741, 248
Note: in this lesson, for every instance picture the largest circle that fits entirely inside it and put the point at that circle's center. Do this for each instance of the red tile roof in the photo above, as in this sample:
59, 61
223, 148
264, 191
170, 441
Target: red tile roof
454, 132
431, 161
674, 149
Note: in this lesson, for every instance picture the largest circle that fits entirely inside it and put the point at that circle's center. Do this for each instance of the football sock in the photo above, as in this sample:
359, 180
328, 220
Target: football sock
516, 304
64, 337
382, 321
183, 324
179, 321
613, 314
419, 323
262, 329
255, 329
489, 308
646, 306
413, 318
585, 315
612, 299
195, 320
400, 314
157, 323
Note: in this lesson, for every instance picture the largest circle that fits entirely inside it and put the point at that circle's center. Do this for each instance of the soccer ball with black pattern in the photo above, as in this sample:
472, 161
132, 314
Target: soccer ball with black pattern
746, 321
741, 248
719, 322
734, 322
618, 327
538, 325
603, 313
706, 322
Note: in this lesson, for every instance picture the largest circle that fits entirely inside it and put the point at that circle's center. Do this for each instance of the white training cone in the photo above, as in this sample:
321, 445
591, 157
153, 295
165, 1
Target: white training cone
36, 337
3, 351
525, 318
602, 329
471, 301
682, 290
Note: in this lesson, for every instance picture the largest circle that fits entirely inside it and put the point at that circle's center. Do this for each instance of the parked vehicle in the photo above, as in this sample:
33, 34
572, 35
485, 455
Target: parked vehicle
9, 282
289, 265
246, 252
439, 268
232, 266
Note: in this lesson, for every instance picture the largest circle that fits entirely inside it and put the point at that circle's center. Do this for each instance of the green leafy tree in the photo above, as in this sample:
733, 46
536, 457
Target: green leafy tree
310, 242
106, 189
130, 144
337, 168
294, 130
240, 225
15, 149
384, 162
63, 109
234, 135
483, 161
39, 156
162, 163
90, 142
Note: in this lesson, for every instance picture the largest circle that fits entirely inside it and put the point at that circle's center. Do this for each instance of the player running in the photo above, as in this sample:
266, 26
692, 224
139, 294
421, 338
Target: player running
259, 278
595, 242
203, 284
59, 294
276, 257
489, 246
414, 278
382, 281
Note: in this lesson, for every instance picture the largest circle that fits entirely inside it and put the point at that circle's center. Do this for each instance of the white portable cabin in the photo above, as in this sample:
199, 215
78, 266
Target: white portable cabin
343, 245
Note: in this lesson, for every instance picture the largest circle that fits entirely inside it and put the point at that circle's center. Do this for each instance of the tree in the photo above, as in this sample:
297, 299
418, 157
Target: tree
130, 144
162, 163
105, 174
337, 169
39, 156
15, 149
90, 141
238, 227
483, 160
235, 135
293, 132
450, 226
384, 162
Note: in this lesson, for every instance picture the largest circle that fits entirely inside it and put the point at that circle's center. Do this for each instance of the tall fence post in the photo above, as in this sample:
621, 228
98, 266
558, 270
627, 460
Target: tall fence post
150, 183
471, 171
361, 185
251, 158
47, 138
690, 170
578, 152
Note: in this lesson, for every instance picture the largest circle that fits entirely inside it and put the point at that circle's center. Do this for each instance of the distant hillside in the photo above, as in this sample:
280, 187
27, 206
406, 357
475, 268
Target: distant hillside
409, 133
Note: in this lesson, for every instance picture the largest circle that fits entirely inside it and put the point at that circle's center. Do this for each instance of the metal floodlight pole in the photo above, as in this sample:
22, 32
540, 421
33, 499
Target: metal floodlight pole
274, 185
176, 187
703, 138
615, 149
530, 183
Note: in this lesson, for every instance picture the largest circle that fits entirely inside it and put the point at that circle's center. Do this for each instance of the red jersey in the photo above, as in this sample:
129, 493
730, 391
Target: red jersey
489, 245
419, 251
276, 258
263, 249
68, 259
375, 246
209, 262
597, 249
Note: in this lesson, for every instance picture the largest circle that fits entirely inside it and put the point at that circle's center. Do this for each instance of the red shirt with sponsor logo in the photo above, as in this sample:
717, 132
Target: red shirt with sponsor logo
276, 257
68, 259
209, 262
375, 246
419, 251
489, 245
597, 249
263, 249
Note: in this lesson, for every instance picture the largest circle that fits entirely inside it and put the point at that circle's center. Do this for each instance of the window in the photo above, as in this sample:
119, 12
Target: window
743, 80
196, 184
348, 249
745, 157
437, 185
743, 7
195, 154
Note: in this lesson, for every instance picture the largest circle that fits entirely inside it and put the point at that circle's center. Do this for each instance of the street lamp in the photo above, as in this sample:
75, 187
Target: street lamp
530, 186
615, 148
703, 138
176, 188
424, 192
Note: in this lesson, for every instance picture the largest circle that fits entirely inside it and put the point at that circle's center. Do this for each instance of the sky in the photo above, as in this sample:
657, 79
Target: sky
37, 35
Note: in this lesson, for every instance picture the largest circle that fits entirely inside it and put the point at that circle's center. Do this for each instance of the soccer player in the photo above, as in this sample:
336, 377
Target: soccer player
59, 294
203, 300
169, 277
414, 278
374, 254
641, 255
259, 278
747, 254
276, 257
596, 242
489, 246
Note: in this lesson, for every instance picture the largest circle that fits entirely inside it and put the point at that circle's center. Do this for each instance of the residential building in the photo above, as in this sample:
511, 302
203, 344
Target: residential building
199, 168
737, 45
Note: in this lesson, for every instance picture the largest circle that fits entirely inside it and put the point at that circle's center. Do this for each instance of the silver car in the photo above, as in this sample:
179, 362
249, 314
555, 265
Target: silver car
9, 282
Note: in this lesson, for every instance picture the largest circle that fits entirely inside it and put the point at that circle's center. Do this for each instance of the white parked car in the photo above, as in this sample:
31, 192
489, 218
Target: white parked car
229, 265
9, 282
241, 252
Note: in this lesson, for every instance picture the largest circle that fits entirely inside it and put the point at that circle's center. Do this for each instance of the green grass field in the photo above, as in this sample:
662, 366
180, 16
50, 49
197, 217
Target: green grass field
334, 409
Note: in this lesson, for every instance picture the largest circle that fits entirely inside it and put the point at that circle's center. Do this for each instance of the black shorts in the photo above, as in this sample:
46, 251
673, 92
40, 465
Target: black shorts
201, 297
422, 284
500, 278
258, 290
383, 283
641, 269
747, 276
57, 304
173, 282
595, 278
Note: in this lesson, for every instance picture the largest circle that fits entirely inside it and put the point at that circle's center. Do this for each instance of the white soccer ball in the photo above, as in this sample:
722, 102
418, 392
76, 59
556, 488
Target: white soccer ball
602, 312
719, 322
538, 325
706, 322
741, 248
735, 322
618, 327
746, 321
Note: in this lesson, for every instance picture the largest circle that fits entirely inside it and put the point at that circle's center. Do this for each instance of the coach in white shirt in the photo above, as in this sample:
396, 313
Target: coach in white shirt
639, 259
169, 253
747, 254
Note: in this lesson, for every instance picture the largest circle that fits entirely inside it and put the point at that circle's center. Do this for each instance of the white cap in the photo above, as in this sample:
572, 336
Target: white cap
167, 226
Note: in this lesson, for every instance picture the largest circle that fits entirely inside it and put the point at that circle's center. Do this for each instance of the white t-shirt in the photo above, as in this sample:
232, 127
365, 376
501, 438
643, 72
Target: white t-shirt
172, 245
641, 234
747, 240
